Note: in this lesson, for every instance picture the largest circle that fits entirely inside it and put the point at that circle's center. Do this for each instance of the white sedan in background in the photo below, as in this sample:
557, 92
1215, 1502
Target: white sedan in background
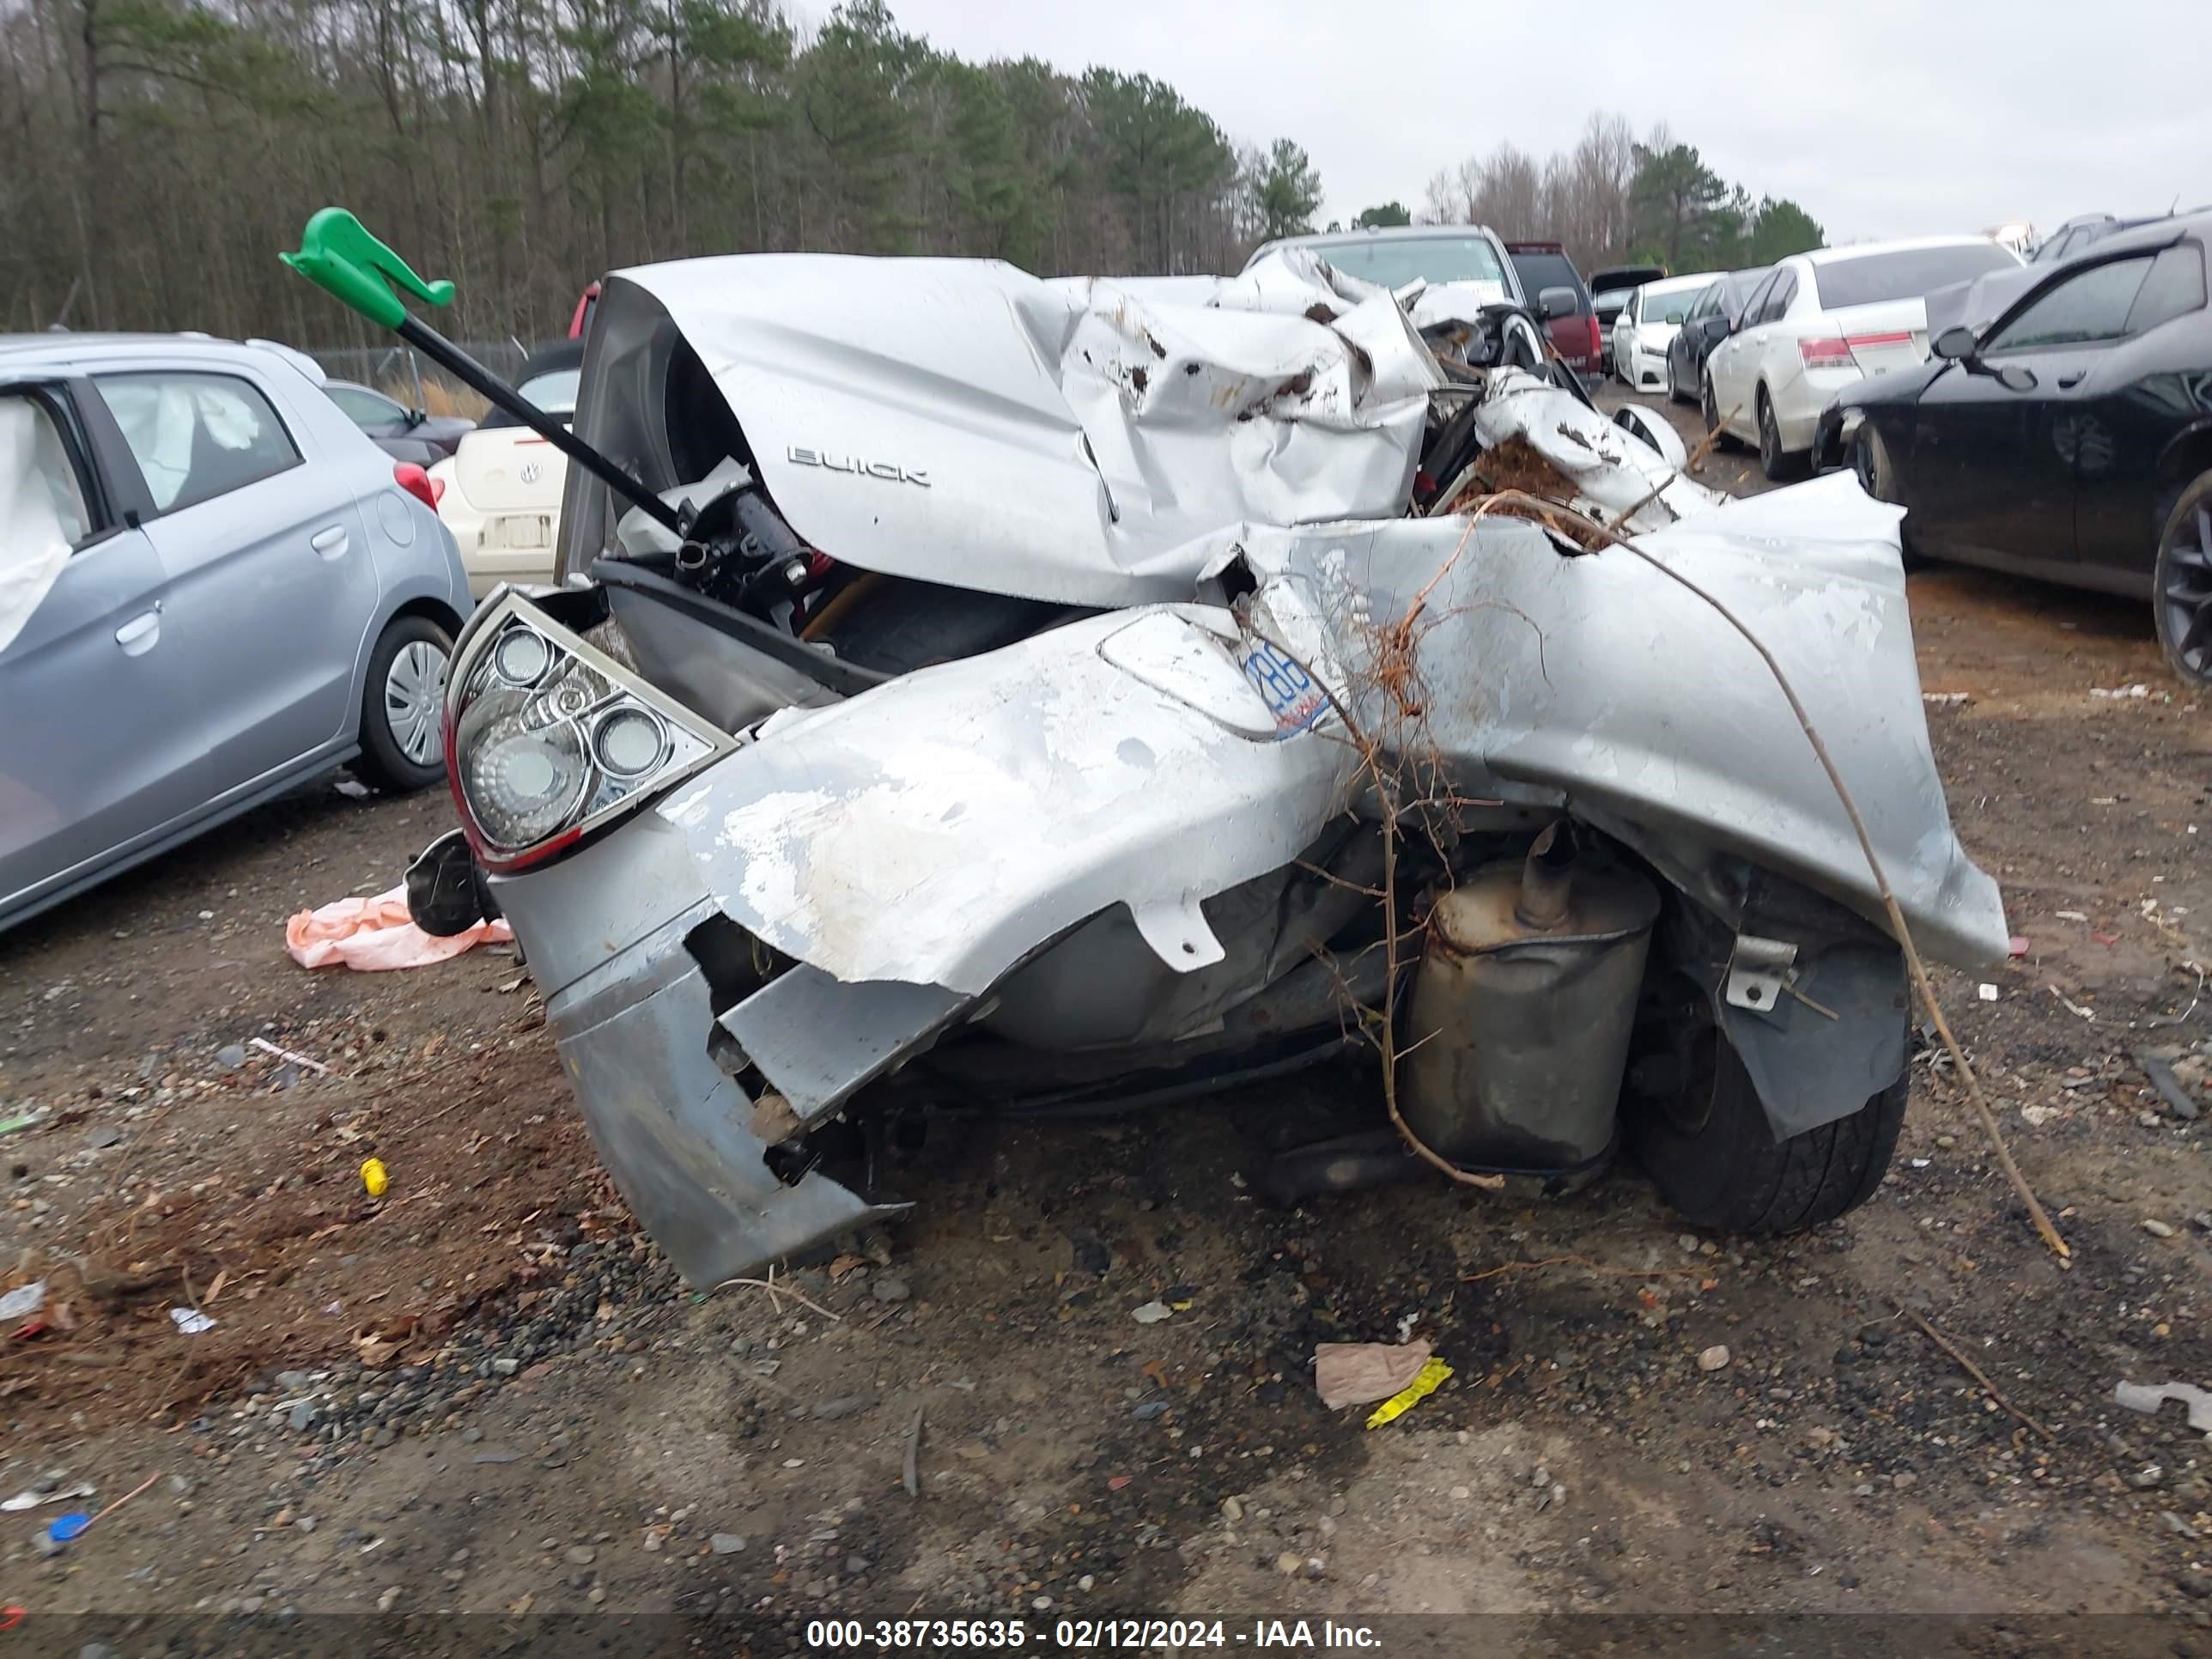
1820, 321
499, 491
1647, 323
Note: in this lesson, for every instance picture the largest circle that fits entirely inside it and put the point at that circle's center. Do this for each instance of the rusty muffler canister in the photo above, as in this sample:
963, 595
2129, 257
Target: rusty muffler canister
1518, 1034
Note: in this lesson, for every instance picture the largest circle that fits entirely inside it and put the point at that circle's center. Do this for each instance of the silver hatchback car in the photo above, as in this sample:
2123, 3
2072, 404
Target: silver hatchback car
212, 586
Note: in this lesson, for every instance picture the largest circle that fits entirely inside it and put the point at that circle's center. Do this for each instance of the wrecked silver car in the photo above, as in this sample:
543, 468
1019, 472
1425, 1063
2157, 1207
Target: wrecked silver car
975, 690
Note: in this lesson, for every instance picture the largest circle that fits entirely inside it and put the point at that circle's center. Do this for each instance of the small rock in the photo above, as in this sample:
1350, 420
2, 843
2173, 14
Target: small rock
1714, 1359
1542, 1479
596, 1593
1233, 1509
1149, 1410
2197, 1586
888, 1288
230, 1057
857, 1565
1903, 1480
105, 1136
726, 1543
1687, 1244
1290, 1564
2156, 1228
581, 1555
2150, 1475
292, 1382
390, 1599
1151, 1313
1947, 1142
1085, 1582
302, 1417
830, 1410
1043, 1604
506, 1367
305, 1524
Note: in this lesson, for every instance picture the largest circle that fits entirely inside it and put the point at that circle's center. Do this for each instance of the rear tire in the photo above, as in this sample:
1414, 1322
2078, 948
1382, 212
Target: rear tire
1779, 465
1713, 1156
1710, 406
402, 737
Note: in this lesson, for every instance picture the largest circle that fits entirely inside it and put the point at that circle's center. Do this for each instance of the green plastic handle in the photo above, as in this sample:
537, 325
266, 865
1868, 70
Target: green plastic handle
338, 254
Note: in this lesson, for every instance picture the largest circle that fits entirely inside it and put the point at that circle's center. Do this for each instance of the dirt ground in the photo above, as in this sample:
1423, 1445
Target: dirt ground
484, 1395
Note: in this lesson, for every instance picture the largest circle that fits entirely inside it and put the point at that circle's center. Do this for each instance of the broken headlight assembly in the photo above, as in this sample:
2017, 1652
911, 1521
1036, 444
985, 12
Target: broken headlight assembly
548, 738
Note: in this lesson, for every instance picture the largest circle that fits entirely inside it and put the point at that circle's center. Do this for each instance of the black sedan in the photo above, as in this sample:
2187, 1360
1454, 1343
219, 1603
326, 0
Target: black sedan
1713, 316
2070, 439
404, 434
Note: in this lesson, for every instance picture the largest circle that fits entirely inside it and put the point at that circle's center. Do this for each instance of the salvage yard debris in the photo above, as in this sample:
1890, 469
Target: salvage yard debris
2147, 1398
1360, 1373
377, 934
1431, 1376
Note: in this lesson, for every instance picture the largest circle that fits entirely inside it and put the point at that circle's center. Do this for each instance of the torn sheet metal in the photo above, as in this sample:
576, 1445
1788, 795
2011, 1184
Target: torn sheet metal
1597, 681
1610, 469
1064, 440
939, 829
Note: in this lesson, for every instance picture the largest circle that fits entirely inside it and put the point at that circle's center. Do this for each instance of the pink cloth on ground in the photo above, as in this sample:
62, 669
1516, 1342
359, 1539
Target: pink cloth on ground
375, 934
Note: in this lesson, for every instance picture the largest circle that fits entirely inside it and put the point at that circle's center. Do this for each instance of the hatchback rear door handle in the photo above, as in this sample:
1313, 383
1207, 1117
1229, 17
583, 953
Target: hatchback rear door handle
2075, 379
330, 542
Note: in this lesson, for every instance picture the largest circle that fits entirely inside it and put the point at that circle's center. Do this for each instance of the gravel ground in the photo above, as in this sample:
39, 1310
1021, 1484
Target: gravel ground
485, 1394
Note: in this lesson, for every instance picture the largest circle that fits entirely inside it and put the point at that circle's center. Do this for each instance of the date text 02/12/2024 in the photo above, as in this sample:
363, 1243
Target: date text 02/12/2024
1081, 1635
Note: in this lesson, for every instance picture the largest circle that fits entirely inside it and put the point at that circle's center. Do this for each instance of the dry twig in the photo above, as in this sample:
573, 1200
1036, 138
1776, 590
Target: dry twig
1587, 1266
1972, 1370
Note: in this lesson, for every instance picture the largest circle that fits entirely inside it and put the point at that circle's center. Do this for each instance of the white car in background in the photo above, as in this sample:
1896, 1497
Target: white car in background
499, 491
1647, 324
1821, 321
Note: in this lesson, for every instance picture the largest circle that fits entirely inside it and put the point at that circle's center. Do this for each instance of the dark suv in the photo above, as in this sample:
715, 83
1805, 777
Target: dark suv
1576, 336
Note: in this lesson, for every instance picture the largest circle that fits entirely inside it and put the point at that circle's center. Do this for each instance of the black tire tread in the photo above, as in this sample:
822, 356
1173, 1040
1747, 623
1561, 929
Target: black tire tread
1770, 1187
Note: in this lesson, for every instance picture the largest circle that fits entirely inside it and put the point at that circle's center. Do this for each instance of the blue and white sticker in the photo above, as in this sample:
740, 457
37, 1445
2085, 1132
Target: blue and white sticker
1292, 696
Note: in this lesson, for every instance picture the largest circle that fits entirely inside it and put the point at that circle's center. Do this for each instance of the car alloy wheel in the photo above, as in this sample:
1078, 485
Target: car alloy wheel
1709, 404
2184, 585
414, 699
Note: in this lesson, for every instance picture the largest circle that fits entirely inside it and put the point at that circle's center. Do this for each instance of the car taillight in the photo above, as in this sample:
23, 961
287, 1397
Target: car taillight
1827, 353
1596, 340
418, 483
547, 739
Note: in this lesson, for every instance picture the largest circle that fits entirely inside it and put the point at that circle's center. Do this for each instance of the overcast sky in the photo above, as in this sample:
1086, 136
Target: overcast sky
1880, 116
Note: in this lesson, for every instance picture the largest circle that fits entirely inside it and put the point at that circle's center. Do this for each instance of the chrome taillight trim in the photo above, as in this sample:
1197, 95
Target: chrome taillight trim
480, 636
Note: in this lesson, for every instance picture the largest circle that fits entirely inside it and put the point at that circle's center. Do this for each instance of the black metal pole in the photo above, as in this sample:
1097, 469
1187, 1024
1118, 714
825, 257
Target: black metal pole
470, 373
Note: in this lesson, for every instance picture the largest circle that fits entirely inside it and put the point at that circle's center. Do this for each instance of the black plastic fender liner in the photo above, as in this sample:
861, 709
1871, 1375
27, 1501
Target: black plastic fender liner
1810, 1068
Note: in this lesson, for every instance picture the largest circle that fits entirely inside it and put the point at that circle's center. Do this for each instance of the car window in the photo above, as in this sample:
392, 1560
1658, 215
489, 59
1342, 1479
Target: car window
1869, 279
554, 393
1707, 302
38, 474
2174, 287
196, 436
1777, 297
1394, 261
1672, 308
366, 408
1540, 270
2086, 308
1757, 300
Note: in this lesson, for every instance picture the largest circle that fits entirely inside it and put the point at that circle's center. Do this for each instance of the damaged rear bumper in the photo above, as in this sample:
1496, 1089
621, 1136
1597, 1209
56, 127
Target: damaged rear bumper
631, 1022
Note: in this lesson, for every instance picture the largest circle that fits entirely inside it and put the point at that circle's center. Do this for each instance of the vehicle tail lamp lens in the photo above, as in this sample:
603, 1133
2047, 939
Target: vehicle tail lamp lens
1827, 353
545, 743
1597, 340
417, 482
